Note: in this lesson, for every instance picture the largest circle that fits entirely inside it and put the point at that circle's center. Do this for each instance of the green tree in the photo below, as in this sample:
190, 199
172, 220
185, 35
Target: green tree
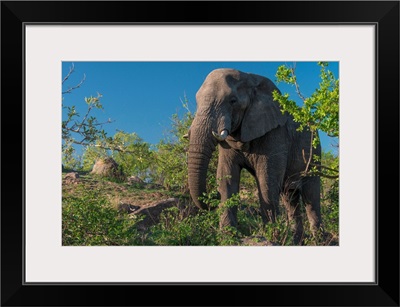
134, 155
78, 129
318, 112
171, 153
86, 130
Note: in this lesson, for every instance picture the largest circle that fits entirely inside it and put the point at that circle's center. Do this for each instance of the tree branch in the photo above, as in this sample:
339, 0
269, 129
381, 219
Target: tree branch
69, 90
90, 107
325, 175
71, 70
102, 146
310, 157
297, 86
325, 167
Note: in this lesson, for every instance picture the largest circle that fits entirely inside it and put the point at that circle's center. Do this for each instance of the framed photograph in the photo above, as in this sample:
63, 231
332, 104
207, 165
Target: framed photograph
107, 105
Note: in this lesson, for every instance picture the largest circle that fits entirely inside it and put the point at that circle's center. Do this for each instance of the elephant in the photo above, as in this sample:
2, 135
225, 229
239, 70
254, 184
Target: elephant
236, 112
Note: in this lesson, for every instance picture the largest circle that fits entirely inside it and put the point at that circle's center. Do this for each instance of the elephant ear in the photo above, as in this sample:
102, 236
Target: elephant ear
263, 114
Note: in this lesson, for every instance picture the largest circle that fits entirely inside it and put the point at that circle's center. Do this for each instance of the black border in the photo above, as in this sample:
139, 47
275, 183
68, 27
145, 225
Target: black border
383, 14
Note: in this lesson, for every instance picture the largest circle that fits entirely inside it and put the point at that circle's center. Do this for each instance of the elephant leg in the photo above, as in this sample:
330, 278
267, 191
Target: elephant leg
229, 175
268, 193
291, 201
310, 193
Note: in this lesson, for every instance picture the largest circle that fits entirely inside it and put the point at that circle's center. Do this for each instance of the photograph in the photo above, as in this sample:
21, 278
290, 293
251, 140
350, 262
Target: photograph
200, 153
190, 150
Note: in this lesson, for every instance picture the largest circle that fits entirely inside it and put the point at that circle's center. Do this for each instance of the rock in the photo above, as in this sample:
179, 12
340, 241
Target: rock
107, 167
71, 178
153, 211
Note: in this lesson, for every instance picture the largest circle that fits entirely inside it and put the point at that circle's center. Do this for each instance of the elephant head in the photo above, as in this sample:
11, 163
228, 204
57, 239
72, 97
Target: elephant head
232, 106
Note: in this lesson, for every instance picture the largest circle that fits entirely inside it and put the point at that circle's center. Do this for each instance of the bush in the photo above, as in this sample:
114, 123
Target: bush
200, 229
135, 155
170, 169
330, 212
91, 220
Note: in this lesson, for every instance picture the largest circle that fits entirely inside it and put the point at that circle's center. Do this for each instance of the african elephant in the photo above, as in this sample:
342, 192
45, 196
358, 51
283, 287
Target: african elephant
236, 110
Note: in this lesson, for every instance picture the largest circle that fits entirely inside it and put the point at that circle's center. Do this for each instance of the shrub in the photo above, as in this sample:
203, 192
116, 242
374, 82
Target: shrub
91, 220
134, 155
200, 229
170, 169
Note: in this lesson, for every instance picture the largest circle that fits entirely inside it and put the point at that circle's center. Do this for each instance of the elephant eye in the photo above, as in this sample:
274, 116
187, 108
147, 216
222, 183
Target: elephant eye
233, 100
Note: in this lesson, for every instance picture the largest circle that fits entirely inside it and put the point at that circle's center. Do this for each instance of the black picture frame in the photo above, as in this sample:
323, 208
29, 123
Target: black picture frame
383, 14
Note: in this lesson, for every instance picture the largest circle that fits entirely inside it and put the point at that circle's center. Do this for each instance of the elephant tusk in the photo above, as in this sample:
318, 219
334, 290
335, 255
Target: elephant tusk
221, 137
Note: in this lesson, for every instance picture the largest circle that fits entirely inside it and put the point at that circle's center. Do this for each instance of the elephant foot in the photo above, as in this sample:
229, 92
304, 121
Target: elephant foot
298, 238
298, 233
319, 235
268, 216
227, 219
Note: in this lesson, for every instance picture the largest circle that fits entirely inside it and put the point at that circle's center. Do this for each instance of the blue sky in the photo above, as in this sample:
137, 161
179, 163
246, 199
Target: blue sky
141, 97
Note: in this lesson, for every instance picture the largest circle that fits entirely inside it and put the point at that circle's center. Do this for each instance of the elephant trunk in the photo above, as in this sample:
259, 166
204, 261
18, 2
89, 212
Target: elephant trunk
208, 128
198, 160
197, 173
201, 147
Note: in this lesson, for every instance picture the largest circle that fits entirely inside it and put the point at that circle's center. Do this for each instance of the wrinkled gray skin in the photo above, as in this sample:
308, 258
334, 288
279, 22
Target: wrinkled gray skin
236, 111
